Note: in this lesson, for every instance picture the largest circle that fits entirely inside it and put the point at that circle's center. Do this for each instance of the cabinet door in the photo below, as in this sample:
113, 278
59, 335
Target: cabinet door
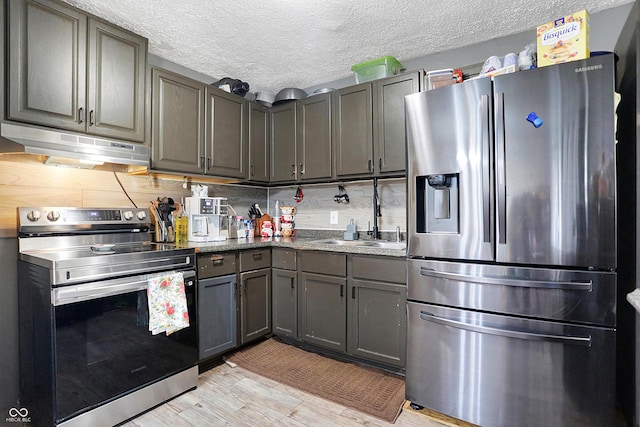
217, 327
255, 304
378, 321
314, 138
47, 64
353, 133
283, 143
389, 133
226, 134
177, 123
116, 82
259, 149
322, 311
285, 313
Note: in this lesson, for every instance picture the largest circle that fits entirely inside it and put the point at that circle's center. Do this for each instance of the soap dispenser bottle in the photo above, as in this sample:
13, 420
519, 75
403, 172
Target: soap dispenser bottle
351, 233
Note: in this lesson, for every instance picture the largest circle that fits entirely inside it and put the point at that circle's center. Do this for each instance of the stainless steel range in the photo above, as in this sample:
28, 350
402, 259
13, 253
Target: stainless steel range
87, 355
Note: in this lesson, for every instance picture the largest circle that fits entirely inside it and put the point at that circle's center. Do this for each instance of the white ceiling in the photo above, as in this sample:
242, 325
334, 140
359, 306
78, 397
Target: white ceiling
273, 44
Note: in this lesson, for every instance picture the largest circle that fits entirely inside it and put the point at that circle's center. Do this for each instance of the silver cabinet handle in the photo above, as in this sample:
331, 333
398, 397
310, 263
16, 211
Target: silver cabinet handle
582, 285
81, 114
532, 336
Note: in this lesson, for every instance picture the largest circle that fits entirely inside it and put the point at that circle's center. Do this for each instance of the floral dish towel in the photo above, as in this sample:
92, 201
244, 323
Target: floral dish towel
167, 303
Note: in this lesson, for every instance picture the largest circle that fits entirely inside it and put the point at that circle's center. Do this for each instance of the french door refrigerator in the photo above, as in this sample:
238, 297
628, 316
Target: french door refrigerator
512, 247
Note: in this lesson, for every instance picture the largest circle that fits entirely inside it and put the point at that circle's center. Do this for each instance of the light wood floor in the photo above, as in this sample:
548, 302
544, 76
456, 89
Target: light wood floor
229, 396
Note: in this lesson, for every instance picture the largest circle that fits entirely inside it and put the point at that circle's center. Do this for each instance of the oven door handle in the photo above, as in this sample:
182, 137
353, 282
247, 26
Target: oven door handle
532, 336
106, 288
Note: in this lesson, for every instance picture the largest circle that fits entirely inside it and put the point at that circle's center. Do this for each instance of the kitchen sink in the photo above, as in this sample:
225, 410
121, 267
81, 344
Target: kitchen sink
383, 244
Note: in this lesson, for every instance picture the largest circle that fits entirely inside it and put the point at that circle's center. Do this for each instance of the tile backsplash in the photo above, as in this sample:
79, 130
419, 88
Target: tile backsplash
313, 212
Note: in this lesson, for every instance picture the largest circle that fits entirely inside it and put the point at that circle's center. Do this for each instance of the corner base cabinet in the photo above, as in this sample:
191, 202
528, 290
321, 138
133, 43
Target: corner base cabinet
284, 282
255, 294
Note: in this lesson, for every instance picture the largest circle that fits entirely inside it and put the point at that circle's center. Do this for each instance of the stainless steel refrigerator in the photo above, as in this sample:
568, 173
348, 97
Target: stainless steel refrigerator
512, 247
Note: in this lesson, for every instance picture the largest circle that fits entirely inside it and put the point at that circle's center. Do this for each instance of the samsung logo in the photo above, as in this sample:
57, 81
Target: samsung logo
589, 68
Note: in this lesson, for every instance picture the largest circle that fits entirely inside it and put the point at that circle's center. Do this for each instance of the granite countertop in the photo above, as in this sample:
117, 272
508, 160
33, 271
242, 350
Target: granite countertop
298, 243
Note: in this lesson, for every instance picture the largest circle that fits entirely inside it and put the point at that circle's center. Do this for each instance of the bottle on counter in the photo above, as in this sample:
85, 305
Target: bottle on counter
182, 225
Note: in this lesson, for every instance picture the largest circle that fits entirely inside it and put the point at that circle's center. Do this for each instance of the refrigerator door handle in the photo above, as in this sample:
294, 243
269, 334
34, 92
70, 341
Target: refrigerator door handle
501, 190
531, 336
486, 155
578, 285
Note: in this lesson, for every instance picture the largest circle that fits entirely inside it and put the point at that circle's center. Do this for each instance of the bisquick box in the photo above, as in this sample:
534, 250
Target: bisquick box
564, 39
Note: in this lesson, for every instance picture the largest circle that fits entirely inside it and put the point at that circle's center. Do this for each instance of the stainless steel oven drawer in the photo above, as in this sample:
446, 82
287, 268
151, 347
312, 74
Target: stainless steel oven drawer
505, 371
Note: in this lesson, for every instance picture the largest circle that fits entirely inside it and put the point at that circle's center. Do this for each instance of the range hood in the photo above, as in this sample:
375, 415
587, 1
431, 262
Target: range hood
17, 138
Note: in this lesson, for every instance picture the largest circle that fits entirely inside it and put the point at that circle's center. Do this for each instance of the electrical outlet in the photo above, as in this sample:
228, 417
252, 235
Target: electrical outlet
333, 217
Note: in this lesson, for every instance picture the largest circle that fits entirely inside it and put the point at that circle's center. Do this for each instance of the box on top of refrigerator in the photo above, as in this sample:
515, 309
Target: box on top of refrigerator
564, 39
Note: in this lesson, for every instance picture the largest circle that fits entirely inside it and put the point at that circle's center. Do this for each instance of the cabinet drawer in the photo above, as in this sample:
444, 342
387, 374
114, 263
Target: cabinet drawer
324, 263
392, 270
254, 260
216, 264
284, 258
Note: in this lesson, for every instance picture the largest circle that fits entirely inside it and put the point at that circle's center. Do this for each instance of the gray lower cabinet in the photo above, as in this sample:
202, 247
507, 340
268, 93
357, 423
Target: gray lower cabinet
377, 309
217, 320
217, 304
284, 285
255, 294
70, 70
322, 313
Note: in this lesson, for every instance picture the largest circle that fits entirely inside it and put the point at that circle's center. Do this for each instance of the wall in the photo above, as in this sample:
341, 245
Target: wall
313, 211
604, 32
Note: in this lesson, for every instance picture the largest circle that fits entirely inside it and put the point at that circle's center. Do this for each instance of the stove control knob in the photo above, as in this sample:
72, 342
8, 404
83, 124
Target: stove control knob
128, 215
33, 216
53, 216
142, 215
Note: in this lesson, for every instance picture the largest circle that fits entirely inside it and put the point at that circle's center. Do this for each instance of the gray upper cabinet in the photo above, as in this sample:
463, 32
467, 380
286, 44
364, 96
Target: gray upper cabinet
197, 128
283, 142
314, 138
259, 145
227, 134
353, 130
70, 71
369, 135
177, 123
389, 120
301, 140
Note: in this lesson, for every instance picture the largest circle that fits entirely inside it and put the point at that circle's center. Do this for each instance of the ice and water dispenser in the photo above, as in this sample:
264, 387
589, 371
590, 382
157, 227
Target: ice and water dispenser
437, 203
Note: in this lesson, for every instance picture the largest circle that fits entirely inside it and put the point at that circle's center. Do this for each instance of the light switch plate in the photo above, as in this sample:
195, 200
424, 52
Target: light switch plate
333, 217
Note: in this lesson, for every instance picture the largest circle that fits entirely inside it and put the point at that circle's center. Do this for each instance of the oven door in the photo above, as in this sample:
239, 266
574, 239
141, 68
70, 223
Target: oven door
103, 347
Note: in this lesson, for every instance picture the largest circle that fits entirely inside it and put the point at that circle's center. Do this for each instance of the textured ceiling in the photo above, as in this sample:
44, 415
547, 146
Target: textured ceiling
272, 44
